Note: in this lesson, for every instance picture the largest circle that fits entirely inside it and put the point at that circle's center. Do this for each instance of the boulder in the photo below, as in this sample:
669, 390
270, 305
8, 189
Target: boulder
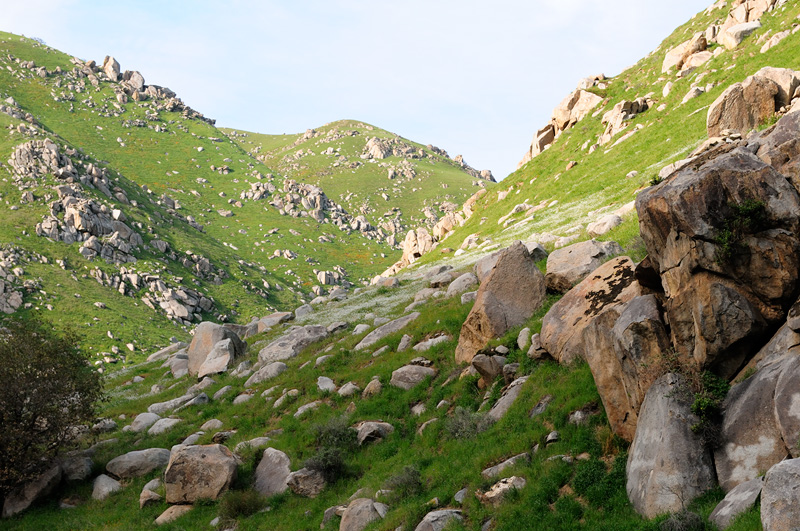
306, 483
272, 473
438, 520
138, 463
267, 372
787, 81
76, 466
360, 513
199, 473
142, 422
111, 68
719, 305
22, 498
385, 330
498, 469
489, 367
779, 146
733, 36
462, 284
509, 295
739, 500
485, 265
162, 426
159, 408
780, 498
371, 431
206, 336
497, 493
292, 343
218, 360
742, 106
265, 323
104, 486
172, 514
408, 376
325, 384
668, 464
506, 400
609, 285
751, 439
569, 265
602, 226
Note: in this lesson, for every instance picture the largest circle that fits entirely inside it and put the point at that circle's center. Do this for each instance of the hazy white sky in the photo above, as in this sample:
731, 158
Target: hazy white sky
473, 77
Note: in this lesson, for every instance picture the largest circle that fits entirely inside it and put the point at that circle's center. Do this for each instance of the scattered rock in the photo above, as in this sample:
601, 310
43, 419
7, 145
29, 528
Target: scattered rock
386, 330
408, 376
199, 472
138, 463
739, 500
104, 486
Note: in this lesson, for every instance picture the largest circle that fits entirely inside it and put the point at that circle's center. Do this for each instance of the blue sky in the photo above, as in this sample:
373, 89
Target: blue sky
474, 78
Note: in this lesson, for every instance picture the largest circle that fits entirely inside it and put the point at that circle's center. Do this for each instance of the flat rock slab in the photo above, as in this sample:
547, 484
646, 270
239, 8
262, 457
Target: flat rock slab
172, 514
162, 426
267, 372
410, 376
385, 330
292, 342
498, 469
780, 498
138, 463
739, 500
507, 399
159, 408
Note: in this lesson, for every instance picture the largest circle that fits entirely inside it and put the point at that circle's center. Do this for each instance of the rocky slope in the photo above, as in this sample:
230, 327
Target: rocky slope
646, 379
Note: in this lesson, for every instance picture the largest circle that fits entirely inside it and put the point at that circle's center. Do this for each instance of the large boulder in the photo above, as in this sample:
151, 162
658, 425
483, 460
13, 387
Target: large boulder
511, 292
779, 146
218, 360
751, 440
438, 520
267, 372
733, 36
272, 473
199, 473
787, 81
292, 343
609, 285
569, 265
668, 464
409, 376
22, 498
780, 498
386, 330
722, 233
206, 337
307, 483
104, 486
742, 106
360, 513
506, 400
138, 463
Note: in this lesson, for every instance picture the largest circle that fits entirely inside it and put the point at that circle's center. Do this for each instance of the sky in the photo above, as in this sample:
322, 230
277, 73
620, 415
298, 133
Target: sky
475, 78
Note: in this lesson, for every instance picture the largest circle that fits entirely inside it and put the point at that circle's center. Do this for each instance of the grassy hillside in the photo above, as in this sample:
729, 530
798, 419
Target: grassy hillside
331, 158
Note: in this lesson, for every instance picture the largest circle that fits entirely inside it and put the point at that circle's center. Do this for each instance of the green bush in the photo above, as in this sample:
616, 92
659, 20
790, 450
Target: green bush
330, 462
747, 217
406, 483
240, 503
465, 424
336, 433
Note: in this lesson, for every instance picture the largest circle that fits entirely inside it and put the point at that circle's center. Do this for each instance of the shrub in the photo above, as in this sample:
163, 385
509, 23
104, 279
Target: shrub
465, 424
240, 503
407, 483
707, 406
683, 521
747, 217
48, 390
330, 462
336, 433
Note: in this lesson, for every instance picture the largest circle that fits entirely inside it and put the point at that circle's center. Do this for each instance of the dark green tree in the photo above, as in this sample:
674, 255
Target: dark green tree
47, 391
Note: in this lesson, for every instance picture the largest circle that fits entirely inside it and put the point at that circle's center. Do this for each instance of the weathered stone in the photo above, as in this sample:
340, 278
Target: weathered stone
719, 307
733, 36
199, 472
668, 465
142, 422
385, 330
148, 497
104, 486
498, 469
787, 81
267, 372
159, 408
172, 514
510, 293
138, 463
265, 323
373, 388
76, 466
603, 225
742, 106
750, 440
739, 500
292, 343
609, 285
371, 431
359, 514
306, 483
506, 400
162, 426
272, 473
569, 265
780, 498
497, 493
438, 520
218, 360
408, 376
462, 284
22, 498
206, 337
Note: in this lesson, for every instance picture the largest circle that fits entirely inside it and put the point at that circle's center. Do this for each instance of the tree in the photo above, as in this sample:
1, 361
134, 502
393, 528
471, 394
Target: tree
47, 390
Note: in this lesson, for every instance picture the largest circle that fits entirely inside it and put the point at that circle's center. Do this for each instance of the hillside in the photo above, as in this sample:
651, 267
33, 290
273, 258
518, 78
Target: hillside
605, 340
190, 207
395, 183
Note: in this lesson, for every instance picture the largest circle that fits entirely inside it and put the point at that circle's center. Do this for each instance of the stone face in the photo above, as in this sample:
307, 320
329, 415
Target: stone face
385, 330
267, 372
138, 463
306, 483
739, 500
272, 473
668, 465
751, 439
104, 486
199, 472
609, 285
742, 106
206, 337
780, 498
510, 293
408, 376
787, 405
569, 265
718, 308
22, 498
359, 514
438, 520
291, 343
733, 36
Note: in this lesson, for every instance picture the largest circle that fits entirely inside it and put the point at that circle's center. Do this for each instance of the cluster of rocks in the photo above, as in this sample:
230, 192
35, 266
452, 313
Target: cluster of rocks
572, 109
12, 286
10, 107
